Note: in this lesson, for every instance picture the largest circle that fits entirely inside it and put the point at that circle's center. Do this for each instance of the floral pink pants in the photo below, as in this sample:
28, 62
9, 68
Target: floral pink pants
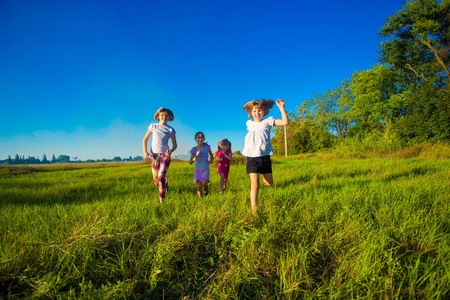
160, 165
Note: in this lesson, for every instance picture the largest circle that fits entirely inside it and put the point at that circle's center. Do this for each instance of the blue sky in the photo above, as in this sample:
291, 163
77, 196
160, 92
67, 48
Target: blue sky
84, 78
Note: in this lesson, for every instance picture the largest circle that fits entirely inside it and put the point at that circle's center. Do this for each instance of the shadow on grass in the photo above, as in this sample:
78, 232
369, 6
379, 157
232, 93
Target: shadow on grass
84, 192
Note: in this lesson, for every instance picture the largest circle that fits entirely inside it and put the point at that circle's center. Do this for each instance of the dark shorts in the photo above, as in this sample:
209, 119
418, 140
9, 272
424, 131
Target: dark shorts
261, 165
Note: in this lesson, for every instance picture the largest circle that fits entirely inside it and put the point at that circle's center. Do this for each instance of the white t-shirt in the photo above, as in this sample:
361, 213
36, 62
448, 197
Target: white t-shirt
161, 135
257, 140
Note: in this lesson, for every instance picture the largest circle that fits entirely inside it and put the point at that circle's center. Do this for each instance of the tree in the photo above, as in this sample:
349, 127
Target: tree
418, 41
44, 159
63, 159
330, 110
417, 47
379, 102
304, 136
32, 160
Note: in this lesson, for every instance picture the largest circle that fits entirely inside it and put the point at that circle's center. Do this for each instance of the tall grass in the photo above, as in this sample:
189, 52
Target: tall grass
376, 148
328, 229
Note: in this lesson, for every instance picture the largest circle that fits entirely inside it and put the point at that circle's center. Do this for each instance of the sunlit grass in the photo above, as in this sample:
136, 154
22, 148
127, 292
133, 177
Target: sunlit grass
328, 228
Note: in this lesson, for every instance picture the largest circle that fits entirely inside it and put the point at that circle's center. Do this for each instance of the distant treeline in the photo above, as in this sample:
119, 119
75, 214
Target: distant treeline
61, 159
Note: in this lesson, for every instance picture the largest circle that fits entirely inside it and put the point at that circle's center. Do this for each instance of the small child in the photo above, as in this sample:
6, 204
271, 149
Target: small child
199, 155
257, 146
223, 167
160, 152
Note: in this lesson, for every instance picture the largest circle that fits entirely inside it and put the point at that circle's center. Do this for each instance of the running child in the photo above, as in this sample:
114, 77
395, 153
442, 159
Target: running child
160, 152
199, 155
223, 167
257, 146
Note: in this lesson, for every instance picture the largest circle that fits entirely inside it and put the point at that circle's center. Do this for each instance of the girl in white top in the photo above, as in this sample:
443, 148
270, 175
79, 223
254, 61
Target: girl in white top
257, 143
160, 151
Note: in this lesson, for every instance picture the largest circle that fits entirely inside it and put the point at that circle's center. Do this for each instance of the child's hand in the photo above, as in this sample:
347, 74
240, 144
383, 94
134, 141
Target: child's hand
197, 154
280, 103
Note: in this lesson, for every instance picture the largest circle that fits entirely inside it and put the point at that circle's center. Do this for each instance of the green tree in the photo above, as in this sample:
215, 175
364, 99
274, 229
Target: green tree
44, 159
429, 119
63, 159
417, 47
418, 41
379, 104
303, 136
377, 98
330, 110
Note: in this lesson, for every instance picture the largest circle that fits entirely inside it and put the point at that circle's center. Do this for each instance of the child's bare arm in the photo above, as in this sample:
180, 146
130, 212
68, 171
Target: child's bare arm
284, 118
144, 144
174, 145
227, 156
211, 155
192, 159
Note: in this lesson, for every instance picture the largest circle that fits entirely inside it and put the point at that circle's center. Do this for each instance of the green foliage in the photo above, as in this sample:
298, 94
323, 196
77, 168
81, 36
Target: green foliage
382, 141
376, 98
329, 110
399, 103
417, 47
303, 136
328, 229
418, 39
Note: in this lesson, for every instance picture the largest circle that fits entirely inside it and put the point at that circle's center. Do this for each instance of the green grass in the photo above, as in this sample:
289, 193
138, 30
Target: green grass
328, 229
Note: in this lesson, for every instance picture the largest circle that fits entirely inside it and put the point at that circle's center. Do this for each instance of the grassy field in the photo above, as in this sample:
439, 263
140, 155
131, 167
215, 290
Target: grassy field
329, 229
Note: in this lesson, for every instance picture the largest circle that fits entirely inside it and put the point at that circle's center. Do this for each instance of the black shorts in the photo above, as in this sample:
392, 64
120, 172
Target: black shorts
261, 165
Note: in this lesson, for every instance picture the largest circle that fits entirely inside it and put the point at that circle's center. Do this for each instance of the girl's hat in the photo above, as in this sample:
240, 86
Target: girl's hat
264, 104
162, 109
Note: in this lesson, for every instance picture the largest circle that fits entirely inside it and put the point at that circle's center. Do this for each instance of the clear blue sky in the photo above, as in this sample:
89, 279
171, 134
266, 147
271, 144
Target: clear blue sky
84, 77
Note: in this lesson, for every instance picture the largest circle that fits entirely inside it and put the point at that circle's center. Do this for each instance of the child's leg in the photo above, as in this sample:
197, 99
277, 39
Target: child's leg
205, 185
225, 178
163, 167
222, 182
155, 168
267, 179
254, 178
199, 189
